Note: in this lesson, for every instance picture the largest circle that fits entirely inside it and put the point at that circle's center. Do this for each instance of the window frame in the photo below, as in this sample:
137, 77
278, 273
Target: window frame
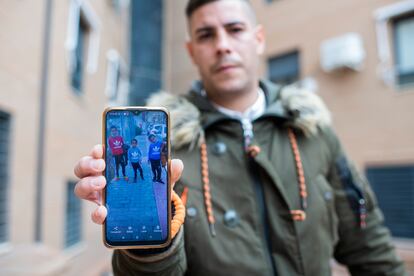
293, 52
117, 82
383, 18
396, 53
4, 243
81, 10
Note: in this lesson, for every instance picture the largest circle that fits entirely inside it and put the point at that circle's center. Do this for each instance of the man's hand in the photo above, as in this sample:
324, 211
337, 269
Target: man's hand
91, 184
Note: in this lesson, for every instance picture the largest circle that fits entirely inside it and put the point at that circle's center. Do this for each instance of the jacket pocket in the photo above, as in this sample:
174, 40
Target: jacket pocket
328, 196
353, 186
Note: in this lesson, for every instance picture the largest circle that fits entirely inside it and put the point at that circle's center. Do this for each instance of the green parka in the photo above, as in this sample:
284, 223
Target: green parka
252, 197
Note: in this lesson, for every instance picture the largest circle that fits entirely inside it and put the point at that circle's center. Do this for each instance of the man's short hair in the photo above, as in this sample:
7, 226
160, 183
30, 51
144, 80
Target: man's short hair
193, 5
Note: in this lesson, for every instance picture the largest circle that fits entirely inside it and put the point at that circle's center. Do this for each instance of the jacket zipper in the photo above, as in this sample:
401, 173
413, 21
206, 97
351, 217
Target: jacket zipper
258, 187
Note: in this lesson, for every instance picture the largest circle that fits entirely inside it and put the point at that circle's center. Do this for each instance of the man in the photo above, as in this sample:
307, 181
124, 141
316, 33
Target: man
116, 144
268, 188
154, 157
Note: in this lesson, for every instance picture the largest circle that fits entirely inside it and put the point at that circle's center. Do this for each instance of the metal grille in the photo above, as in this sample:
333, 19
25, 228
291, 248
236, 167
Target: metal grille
4, 174
394, 187
73, 228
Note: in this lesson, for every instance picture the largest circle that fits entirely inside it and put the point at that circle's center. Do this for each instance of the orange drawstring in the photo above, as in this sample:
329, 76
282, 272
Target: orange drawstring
179, 216
206, 188
298, 214
253, 151
184, 196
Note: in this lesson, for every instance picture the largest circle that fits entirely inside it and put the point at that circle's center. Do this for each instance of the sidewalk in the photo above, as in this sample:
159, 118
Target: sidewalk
144, 197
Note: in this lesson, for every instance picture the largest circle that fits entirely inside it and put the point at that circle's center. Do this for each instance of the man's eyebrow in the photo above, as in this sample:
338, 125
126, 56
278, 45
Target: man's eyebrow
235, 23
204, 29
226, 25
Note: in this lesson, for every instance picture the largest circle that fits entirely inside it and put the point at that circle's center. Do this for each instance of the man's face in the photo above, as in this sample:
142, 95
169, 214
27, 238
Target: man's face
225, 44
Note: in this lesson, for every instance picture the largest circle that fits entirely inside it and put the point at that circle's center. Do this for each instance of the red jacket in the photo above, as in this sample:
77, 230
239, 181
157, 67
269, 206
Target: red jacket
115, 143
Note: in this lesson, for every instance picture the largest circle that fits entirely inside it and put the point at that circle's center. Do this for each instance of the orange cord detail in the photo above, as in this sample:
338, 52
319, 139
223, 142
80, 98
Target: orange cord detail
253, 150
301, 177
179, 216
298, 215
206, 188
184, 196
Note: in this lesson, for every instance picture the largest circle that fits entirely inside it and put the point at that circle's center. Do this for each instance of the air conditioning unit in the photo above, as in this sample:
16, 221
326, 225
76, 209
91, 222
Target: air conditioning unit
342, 52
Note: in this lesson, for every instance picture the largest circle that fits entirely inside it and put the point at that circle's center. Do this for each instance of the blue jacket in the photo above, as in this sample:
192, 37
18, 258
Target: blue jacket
134, 154
154, 152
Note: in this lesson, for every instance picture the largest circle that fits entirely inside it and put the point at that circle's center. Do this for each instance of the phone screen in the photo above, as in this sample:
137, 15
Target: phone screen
137, 177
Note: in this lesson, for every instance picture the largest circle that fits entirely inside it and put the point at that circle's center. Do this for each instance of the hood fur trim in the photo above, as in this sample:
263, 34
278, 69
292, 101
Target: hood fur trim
185, 119
307, 108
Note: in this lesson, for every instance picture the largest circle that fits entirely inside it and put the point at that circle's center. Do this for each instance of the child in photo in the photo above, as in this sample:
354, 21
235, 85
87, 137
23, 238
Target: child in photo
164, 155
116, 142
135, 156
154, 157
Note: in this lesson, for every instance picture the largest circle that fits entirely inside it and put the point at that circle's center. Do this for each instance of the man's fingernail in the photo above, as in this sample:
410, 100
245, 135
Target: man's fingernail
98, 165
96, 182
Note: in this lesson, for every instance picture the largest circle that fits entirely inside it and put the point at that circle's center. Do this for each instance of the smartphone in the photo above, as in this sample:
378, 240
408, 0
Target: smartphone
137, 194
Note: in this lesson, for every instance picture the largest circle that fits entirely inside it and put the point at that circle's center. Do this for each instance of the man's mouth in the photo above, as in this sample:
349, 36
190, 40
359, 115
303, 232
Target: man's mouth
225, 68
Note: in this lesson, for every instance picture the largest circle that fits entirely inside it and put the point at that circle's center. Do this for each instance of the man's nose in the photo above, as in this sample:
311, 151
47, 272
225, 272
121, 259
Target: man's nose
223, 45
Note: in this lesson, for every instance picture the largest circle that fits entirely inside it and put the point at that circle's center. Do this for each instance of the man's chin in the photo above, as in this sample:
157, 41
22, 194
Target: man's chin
231, 90
230, 86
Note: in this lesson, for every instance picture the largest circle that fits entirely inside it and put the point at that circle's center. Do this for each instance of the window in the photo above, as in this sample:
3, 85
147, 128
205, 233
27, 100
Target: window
77, 72
403, 30
73, 227
83, 29
118, 4
394, 188
4, 174
117, 83
397, 67
284, 69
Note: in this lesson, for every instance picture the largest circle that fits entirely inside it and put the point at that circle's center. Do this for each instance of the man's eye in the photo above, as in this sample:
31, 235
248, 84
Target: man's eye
236, 30
205, 36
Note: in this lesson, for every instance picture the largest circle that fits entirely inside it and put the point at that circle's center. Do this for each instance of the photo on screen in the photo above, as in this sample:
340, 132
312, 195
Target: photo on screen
137, 177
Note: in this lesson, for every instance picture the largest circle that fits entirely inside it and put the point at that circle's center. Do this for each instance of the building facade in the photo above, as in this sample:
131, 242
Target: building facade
61, 64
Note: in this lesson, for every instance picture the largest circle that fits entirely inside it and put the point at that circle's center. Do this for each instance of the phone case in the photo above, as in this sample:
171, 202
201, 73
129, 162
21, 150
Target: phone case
104, 142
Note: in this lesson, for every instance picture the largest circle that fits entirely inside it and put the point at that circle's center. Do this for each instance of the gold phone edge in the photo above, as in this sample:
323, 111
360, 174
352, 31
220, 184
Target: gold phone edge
144, 108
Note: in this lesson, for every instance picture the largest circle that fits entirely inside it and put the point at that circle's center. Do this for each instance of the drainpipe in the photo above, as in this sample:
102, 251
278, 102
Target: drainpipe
42, 122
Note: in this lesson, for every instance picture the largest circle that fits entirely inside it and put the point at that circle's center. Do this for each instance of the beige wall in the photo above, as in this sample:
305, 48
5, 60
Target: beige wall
371, 118
178, 70
73, 125
19, 82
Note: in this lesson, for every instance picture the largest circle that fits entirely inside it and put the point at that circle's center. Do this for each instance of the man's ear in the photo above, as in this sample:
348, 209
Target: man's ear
189, 48
260, 39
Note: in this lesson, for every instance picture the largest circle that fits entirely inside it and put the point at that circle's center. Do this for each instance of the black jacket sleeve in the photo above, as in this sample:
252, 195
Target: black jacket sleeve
170, 262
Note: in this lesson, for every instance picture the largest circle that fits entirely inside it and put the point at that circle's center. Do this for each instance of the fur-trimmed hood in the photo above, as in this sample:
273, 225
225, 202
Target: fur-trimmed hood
299, 108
